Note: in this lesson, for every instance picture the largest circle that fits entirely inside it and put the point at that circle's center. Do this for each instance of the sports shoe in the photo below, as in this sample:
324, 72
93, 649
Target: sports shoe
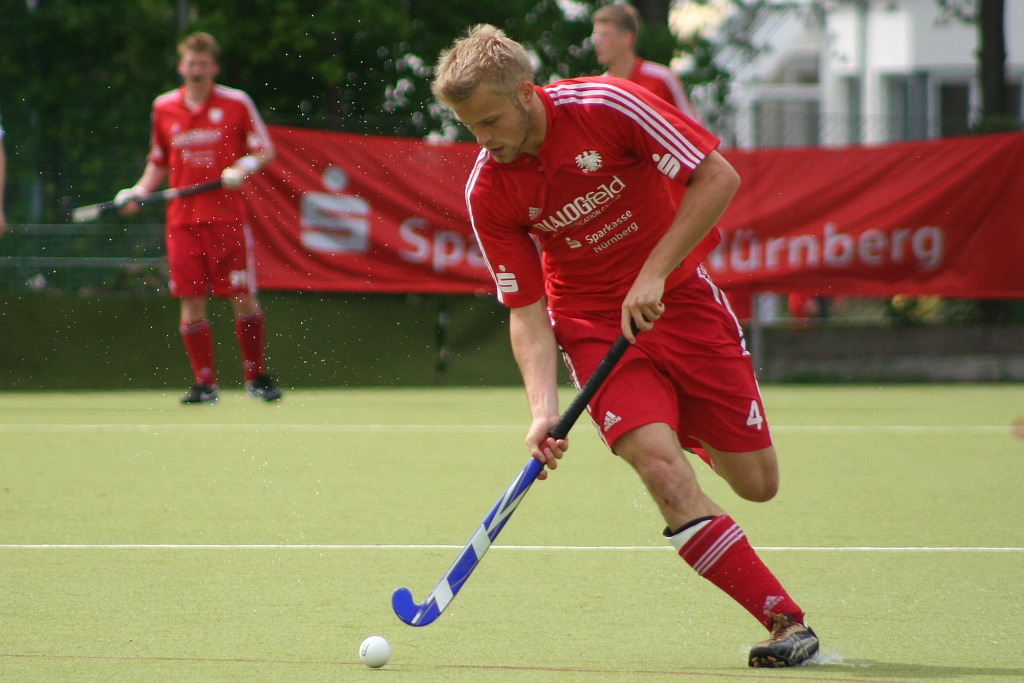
790, 644
201, 393
263, 387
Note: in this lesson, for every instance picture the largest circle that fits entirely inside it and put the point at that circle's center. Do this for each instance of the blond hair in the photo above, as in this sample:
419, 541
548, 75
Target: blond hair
621, 15
199, 43
484, 56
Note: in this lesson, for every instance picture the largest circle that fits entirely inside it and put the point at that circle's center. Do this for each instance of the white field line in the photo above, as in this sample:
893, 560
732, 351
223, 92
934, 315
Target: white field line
907, 429
621, 548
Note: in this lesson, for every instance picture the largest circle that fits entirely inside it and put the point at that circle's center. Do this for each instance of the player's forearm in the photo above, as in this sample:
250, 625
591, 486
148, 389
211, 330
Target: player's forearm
254, 161
152, 178
536, 353
264, 156
708, 193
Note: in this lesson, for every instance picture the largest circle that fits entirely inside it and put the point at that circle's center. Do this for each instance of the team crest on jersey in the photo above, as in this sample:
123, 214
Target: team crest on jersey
534, 212
216, 114
589, 161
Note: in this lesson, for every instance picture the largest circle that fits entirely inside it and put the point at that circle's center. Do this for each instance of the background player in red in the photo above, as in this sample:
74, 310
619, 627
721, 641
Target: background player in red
616, 29
578, 167
201, 131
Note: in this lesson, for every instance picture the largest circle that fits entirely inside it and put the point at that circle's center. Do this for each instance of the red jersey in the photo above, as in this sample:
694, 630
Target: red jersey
597, 200
199, 144
661, 81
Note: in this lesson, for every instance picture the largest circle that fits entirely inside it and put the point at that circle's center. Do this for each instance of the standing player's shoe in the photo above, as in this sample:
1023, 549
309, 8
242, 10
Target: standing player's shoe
790, 644
263, 387
201, 393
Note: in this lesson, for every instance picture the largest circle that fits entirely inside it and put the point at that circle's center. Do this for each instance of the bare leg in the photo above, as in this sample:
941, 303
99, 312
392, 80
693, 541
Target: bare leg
654, 452
245, 304
753, 475
193, 309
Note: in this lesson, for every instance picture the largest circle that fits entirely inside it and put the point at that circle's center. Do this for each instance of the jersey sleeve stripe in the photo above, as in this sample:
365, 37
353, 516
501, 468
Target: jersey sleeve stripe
640, 109
648, 118
474, 175
666, 76
254, 115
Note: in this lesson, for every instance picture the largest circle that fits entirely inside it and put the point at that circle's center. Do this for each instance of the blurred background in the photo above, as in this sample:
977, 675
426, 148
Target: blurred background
77, 80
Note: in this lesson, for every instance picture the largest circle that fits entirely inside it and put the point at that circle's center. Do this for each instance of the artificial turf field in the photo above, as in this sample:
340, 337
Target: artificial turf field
144, 541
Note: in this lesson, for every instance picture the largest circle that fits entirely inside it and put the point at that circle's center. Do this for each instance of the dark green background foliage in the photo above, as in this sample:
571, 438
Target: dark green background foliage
313, 340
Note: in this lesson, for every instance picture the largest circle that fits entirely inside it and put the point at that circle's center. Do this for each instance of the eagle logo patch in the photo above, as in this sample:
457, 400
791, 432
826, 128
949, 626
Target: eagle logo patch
589, 161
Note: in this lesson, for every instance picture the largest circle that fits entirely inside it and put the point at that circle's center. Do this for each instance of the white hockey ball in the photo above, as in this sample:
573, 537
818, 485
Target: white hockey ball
375, 652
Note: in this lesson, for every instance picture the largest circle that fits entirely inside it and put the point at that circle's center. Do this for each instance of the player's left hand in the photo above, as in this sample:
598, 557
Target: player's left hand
232, 178
542, 447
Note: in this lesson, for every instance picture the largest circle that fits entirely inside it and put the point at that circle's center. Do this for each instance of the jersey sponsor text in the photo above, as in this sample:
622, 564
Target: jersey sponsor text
582, 206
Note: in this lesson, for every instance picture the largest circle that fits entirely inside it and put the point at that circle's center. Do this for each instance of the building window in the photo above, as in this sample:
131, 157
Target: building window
908, 107
953, 109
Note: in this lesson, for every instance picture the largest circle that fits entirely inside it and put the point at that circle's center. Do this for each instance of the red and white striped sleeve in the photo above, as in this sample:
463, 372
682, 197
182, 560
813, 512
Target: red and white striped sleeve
510, 253
640, 121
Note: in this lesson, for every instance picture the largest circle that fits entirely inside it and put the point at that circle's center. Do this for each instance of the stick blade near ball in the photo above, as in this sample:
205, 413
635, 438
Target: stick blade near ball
412, 613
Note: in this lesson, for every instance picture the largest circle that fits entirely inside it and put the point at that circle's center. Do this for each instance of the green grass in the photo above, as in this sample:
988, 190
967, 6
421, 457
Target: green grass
422, 467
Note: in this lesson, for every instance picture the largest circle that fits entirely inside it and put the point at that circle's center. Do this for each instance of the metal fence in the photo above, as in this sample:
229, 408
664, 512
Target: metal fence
71, 258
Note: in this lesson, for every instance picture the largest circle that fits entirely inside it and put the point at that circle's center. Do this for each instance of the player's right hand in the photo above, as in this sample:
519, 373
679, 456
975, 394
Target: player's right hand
542, 447
126, 199
232, 178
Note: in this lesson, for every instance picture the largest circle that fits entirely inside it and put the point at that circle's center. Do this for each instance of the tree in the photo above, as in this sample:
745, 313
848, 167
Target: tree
989, 16
77, 78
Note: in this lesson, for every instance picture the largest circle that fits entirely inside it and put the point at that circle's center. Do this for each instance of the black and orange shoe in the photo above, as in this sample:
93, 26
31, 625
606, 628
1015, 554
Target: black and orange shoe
790, 644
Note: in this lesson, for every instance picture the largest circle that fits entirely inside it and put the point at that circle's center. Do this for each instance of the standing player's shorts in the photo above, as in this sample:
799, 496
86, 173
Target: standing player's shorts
210, 258
692, 371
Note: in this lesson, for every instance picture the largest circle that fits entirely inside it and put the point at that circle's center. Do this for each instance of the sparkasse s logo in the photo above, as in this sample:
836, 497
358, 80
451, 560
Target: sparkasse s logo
506, 281
667, 164
589, 161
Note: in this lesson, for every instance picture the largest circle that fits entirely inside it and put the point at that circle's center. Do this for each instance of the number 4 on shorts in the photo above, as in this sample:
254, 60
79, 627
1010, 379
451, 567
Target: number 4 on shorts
754, 419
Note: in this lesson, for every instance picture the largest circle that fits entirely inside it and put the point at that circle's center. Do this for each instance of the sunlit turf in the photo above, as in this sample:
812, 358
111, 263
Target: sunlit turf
145, 541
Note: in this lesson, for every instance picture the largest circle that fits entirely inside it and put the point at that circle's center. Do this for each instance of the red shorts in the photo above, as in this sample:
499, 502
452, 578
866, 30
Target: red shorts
692, 371
210, 258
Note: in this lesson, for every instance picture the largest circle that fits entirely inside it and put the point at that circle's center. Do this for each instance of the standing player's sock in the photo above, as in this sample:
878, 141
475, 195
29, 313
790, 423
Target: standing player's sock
198, 340
249, 331
717, 549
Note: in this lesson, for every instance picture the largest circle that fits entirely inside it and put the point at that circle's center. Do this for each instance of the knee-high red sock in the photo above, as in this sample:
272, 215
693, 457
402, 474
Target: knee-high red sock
249, 331
198, 340
718, 550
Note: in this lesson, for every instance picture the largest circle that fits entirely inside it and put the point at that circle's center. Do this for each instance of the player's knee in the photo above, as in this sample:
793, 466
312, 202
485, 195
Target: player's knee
759, 489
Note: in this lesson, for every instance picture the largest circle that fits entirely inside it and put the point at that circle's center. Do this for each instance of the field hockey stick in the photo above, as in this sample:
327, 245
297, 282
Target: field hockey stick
94, 211
453, 580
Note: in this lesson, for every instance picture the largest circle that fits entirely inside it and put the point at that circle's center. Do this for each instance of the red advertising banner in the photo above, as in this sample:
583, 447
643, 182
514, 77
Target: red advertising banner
942, 217
351, 213
340, 212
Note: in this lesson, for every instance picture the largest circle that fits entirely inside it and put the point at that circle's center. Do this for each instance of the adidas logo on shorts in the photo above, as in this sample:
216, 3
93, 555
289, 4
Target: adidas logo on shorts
610, 420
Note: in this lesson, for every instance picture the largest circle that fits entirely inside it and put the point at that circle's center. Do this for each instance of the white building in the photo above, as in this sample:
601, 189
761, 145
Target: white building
839, 72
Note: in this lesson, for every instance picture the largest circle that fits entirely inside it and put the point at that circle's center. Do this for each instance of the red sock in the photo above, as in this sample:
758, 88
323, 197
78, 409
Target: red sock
718, 550
249, 331
198, 340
